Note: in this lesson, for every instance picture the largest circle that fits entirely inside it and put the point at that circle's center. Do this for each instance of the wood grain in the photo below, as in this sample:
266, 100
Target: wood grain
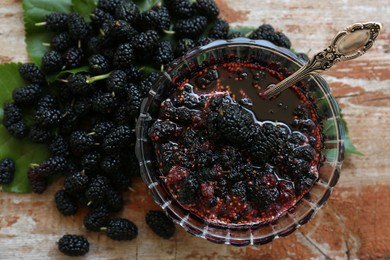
353, 224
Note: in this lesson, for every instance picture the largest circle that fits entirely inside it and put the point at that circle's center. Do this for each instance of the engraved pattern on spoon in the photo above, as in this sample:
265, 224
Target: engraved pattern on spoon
349, 44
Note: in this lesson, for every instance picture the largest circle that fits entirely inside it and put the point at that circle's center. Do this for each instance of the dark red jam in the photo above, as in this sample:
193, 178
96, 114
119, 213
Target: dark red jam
230, 156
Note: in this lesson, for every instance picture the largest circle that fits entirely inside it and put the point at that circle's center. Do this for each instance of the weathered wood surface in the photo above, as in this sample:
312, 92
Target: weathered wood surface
355, 223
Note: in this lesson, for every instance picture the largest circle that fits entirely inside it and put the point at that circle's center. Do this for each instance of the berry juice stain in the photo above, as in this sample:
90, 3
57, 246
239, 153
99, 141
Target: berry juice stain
230, 156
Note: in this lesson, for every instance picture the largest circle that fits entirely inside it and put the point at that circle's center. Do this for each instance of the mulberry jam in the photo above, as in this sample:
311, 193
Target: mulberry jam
230, 156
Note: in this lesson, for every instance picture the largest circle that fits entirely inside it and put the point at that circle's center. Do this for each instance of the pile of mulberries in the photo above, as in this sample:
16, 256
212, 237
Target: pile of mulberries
87, 118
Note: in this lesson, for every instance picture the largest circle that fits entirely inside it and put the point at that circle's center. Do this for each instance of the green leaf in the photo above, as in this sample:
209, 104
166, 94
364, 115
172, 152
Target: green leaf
348, 145
242, 29
34, 12
145, 5
22, 151
61, 74
84, 7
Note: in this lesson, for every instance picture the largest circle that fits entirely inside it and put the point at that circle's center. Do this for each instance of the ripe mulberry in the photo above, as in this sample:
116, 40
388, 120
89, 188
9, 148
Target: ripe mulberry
73, 245
160, 224
121, 229
7, 170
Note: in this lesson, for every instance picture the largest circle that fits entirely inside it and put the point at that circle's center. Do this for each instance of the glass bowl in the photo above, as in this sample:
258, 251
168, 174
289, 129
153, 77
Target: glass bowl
242, 49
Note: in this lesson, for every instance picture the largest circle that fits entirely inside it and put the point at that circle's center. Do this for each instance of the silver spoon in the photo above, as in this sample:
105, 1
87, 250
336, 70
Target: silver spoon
349, 44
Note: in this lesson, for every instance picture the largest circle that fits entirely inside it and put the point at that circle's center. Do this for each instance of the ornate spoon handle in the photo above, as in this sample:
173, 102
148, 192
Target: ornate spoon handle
349, 44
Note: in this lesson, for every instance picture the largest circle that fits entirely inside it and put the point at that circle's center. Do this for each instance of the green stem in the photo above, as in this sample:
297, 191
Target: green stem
40, 24
169, 32
96, 78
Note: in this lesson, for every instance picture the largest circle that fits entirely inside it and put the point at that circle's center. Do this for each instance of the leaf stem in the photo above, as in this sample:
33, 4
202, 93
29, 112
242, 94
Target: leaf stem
96, 78
40, 24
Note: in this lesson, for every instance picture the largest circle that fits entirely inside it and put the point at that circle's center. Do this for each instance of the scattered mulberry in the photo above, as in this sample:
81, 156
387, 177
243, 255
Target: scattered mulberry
52, 62
53, 165
127, 11
73, 245
59, 146
7, 170
32, 74
121, 229
37, 181
145, 42
135, 99
219, 30
77, 83
76, 182
65, 204
56, 22
148, 82
133, 73
12, 113
81, 142
116, 81
38, 134
120, 180
77, 27
47, 116
61, 42
124, 56
73, 57
111, 164
90, 161
179, 8
183, 46
104, 102
120, 137
207, 8
97, 189
191, 27
98, 64
27, 95
96, 218
267, 32
19, 129
118, 31
160, 224
109, 5
99, 16
101, 129
164, 53
114, 200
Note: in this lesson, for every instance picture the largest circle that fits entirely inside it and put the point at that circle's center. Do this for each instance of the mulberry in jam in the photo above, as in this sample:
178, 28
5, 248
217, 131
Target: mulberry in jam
229, 156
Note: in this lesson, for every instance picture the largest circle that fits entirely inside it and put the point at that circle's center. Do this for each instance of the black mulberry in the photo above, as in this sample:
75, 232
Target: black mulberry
160, 224
27, 95
191, 27
55, 22
121, 229
65, 203
207, 8
73, 245
7, 170
52, 62
32, 74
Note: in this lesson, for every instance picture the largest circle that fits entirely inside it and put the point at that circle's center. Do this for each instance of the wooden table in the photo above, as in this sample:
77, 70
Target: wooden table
355, 223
